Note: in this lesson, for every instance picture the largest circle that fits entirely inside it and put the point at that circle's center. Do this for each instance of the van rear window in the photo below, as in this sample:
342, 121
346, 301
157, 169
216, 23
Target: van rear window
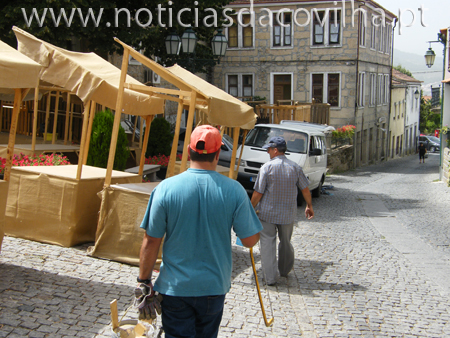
297, 142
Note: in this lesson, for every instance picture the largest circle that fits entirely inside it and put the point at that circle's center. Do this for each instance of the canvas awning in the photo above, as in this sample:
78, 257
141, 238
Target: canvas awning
86, 75
222, 108
17, 70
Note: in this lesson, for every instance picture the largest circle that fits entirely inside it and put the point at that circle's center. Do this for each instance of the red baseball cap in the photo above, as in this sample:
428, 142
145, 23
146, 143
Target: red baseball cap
209, 137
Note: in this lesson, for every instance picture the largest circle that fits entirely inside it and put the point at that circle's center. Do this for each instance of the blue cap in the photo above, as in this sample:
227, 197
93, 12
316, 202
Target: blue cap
275, 142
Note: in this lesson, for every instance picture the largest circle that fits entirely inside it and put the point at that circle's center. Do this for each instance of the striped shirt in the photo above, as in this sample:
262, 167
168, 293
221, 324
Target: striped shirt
277, 181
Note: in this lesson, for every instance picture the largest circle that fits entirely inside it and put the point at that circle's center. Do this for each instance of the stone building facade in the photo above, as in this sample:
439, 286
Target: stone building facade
334, 52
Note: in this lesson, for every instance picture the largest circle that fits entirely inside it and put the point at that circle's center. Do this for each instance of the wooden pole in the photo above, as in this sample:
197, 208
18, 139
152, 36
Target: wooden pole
173, 152
87, 108
55, 117
66, 127
117, 116
187, 137
233, 153
71, 123
148, 122
88, 136
35, 118
141, 132
19, 94
47, 114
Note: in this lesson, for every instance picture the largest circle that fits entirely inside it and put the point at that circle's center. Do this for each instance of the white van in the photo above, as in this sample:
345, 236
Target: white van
305, 145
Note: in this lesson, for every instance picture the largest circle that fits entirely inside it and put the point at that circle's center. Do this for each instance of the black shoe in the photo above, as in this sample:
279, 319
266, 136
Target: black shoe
272, 284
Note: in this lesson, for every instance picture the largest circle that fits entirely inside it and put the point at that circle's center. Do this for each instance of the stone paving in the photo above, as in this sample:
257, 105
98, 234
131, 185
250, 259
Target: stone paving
350, 278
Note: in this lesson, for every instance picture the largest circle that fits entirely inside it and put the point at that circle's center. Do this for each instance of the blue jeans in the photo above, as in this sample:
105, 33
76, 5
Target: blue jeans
193, 317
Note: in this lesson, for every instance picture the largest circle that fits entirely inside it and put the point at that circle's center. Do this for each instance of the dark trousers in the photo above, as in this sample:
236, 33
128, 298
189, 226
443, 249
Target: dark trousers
193, 317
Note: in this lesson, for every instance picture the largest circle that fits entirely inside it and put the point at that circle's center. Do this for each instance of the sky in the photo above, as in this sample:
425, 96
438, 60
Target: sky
435, 16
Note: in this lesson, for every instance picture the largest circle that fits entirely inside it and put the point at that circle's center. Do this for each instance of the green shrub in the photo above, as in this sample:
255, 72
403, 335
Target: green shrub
160, 138
101, 141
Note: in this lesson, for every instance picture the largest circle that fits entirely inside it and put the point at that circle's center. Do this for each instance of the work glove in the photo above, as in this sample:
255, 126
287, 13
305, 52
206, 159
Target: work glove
147, 301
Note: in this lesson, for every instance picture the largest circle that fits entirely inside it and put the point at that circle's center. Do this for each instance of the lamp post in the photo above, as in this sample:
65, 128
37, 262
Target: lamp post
416, 94
188, 44
429, 61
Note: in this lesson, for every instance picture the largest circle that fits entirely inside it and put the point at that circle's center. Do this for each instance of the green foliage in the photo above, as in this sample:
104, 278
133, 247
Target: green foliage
403, 70
429, 121
160, 138
101, 141
138, 33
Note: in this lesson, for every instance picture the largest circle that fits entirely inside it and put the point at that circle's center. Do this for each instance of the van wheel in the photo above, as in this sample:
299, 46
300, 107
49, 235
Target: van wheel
316, 192
432, 149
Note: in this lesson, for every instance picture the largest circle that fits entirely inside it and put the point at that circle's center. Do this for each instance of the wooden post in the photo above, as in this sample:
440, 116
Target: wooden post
66, 126
87, 108
233, 153
19, 94
187, 136
173, 152
55, 118
117, 116
35, 118
141, 129
47, 114
89, 131
1, 115
71, 123
148, 122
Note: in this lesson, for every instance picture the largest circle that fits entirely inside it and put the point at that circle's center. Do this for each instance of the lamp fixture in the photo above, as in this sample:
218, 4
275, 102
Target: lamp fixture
417, 94
430, 56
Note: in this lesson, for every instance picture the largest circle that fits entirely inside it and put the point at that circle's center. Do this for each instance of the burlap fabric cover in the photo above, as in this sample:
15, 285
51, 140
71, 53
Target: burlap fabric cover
47, 204
119, 236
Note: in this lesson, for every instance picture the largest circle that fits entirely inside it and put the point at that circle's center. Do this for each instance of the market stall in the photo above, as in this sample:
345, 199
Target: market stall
119, 222
18, 74
93, 80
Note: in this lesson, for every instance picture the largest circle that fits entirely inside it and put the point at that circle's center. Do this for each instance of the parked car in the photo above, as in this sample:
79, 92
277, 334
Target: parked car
225, 151
432, 143
305, 146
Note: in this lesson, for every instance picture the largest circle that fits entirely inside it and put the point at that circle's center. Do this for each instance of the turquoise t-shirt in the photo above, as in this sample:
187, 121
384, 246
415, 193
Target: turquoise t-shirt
196, 211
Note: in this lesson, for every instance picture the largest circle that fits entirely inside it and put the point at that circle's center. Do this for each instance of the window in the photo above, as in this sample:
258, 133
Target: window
373, 35
373, 89
361, 89
240, 36
381, 42
388, 38
239, 85
326, 88
326, 28
282, 36
362, 30
386, 89
380, 90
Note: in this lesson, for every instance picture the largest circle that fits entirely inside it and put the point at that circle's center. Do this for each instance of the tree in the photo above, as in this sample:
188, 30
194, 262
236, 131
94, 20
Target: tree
403, 70
429, 121
95, 21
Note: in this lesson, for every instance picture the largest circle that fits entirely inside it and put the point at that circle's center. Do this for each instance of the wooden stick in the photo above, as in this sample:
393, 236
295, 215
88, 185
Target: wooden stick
88, 136
47, 115
173, 152
148, 123
35, 117
187, 136
55, 117
117, 116
66, 126
114, 314
87, 108
233, 153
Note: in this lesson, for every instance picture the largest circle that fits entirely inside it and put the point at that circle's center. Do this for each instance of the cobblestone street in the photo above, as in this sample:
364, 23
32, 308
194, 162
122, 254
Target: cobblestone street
374, 262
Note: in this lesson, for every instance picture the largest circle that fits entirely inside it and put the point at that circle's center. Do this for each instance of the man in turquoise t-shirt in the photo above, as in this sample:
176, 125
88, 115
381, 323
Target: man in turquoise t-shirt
195, 213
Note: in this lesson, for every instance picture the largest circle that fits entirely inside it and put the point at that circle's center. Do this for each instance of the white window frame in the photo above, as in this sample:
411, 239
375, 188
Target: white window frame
373, 90
379, 90
326, 32
381, 42
362, 30
240, 82
386, 89
388, 38
361, 89
240, 35
282, 28
373, 35
325, 86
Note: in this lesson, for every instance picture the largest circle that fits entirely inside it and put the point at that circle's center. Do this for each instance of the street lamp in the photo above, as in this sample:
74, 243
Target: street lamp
188, 42
416, 94
430, 56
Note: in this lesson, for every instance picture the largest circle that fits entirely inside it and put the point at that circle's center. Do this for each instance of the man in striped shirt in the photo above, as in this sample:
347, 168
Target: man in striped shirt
276, 191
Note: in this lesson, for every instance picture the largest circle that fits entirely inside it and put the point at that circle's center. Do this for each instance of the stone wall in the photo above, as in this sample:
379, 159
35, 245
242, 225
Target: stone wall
340, 159
446, 166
